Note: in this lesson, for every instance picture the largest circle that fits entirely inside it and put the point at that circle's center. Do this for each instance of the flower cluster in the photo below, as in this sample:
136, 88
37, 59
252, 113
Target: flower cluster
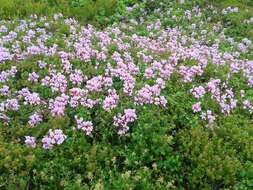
7, 74
54, 137
151, 95
208, 115
77, 77
86, 126
57, 82
111, 100
77, 97
198, 92
57, 106
31, 98
188, 73
33, 77
121, 121
230, 10
35, 119
196, 107
5, 90
248, 106
5, 55
30, 141
11, 104
97, 83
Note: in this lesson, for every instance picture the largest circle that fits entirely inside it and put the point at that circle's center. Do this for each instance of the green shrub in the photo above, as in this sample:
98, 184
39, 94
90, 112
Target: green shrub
85, 11
217, 159
142, 160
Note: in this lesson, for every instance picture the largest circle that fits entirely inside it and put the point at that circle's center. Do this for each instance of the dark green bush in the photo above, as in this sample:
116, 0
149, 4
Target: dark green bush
217, 159
143, 159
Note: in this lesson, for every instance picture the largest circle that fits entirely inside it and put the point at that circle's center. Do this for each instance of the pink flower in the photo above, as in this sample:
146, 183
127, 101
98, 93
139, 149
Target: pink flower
33, 77
42, 64
198, 92
95, 84
89, 103
35, 119
57, 106
208, 115
5, 90
250, 81
76, 77
111, 100
196, 107
149, 73
30, 141
86, 126
12, 104
151, 94
32, 99
7, 74
33, 50
47, 142
58, 82
121, 121
54, 137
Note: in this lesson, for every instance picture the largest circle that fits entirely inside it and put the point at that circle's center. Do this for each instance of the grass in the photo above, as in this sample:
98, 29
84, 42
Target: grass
89, 11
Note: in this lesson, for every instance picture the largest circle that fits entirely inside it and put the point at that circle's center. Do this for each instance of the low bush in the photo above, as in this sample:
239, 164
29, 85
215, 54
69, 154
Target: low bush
126, 95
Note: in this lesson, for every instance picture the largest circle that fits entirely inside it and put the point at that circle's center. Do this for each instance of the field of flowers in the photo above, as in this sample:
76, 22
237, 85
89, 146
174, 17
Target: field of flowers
152, 95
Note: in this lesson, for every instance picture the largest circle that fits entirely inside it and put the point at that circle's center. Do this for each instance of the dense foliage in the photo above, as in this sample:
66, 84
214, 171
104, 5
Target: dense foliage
126, 94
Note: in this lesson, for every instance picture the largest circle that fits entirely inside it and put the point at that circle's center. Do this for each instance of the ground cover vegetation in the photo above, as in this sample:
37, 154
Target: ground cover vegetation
126, 94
